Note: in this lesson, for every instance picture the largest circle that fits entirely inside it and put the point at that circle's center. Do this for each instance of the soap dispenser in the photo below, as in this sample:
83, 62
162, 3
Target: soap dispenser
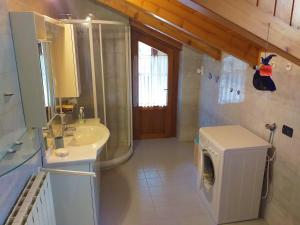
81, 115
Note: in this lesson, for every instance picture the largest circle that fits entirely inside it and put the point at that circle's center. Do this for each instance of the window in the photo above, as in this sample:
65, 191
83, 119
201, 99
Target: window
232, 82
153, 76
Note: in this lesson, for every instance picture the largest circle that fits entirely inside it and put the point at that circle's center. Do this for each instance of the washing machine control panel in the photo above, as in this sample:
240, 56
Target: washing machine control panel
208, 146
212, 152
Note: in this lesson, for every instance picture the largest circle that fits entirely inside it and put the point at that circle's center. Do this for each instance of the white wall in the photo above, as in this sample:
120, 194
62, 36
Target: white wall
253, 111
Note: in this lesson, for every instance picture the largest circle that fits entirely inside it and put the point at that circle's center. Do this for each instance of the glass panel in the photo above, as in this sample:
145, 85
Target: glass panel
23, 152
83, 47
116, 84
153, 76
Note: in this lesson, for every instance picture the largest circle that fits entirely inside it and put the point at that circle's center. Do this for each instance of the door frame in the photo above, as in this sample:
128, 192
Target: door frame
172, 49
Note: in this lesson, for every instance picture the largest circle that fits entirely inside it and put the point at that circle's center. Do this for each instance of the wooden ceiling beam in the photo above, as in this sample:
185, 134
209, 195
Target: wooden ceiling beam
140, 16
278, 36
139, 27
201, 27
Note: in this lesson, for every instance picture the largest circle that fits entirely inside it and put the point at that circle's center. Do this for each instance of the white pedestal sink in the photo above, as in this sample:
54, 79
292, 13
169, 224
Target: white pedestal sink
76, 198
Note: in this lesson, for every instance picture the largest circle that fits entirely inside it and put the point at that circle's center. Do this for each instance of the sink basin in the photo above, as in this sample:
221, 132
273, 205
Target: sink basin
85, 135
61, 152
84, 145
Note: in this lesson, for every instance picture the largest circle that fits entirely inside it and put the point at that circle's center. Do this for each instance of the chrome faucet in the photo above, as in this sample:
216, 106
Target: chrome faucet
271, 127
49, 128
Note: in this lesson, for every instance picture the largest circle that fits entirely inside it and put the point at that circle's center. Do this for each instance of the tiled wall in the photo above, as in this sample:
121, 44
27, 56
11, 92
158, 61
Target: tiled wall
253, 110
188, 94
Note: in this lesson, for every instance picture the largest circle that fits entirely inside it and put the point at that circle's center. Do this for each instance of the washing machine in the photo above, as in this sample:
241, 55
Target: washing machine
232, 170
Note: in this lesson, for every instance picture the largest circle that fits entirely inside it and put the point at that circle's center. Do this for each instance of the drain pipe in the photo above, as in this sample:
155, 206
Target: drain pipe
270, 159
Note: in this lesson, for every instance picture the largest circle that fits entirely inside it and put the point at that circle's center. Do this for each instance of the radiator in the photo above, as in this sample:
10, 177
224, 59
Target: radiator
35, 205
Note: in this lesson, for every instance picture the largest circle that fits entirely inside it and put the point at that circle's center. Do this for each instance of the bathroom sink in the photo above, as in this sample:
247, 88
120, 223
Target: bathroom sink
84, 145
86, 135
61, 152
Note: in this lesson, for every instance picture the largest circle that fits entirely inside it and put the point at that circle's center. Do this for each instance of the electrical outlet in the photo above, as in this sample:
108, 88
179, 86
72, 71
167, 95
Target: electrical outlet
288, 131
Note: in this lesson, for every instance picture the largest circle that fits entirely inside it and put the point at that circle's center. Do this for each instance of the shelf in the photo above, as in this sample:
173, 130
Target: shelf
24, 152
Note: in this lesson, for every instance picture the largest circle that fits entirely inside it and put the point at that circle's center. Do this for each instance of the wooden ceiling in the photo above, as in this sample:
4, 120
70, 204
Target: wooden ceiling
273, 24
213, 26
188, 26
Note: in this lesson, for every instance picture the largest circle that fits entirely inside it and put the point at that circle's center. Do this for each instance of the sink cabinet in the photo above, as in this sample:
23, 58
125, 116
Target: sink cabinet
74, 196
28, 65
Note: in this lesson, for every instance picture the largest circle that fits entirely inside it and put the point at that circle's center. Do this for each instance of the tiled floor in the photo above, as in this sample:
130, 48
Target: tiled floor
157, 186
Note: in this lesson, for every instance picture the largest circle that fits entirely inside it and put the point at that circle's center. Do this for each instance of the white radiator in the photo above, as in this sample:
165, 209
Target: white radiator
35, 205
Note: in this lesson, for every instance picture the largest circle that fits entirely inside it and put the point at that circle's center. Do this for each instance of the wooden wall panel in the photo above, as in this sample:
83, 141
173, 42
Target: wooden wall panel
283, 39
296, 14
284, 10
252, 2
268, 6
207, 30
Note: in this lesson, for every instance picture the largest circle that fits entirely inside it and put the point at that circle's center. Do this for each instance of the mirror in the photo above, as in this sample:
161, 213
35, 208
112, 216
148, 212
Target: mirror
48, 79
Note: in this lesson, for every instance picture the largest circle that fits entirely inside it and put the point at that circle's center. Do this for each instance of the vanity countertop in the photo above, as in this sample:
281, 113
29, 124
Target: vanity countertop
83, 147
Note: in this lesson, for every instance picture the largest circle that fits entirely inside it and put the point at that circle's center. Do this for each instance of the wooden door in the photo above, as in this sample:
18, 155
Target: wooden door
155, 89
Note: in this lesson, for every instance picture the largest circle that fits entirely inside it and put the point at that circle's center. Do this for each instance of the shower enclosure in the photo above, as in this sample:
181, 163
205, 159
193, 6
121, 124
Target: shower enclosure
104, 58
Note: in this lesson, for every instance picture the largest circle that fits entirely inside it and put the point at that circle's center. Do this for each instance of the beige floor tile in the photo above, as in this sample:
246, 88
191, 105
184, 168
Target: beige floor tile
157, 186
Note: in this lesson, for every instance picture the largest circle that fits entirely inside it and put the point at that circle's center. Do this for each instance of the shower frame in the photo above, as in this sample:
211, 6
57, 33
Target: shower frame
115, 161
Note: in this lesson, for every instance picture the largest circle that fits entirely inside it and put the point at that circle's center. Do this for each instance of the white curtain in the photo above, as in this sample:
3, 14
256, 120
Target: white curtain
153, 76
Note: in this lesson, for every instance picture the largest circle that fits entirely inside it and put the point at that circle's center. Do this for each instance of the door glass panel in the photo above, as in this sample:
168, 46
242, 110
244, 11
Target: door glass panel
153, 76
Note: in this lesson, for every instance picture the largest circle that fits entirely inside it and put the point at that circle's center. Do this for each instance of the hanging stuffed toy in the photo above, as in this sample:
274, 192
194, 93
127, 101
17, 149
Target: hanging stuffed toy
262, 78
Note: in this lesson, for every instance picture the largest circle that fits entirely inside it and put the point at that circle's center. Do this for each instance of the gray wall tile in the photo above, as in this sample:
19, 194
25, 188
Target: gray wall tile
257, 109
188, 94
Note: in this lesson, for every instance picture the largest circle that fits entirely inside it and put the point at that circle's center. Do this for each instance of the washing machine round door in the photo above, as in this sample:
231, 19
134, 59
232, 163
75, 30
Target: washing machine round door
208, 170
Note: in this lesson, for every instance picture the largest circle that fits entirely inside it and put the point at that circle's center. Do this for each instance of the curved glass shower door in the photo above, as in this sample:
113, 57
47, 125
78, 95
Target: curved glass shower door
113, 89
104, 63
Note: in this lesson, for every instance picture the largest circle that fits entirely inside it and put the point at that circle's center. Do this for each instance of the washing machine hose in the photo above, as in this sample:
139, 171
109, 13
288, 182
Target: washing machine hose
270, 159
